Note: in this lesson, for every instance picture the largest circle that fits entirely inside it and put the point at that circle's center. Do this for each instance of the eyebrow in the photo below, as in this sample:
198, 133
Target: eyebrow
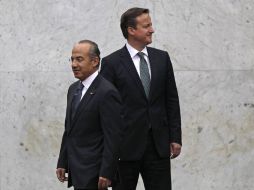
78, 57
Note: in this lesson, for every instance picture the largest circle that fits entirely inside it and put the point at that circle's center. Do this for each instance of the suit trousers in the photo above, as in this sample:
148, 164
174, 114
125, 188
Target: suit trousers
155, 171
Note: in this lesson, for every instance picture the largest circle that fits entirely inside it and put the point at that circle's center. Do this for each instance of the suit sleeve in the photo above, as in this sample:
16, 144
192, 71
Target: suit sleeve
62, 159
173, 107
112, 126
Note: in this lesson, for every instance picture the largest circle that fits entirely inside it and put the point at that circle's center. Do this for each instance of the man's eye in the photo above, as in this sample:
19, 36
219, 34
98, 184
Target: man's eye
79, 59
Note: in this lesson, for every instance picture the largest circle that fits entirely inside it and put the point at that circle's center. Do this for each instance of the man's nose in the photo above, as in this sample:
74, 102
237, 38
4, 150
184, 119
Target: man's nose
74, 63
151, 29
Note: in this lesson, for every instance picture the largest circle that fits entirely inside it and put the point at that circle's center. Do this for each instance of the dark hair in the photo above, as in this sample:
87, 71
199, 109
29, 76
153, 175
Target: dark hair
128, 19
94, 49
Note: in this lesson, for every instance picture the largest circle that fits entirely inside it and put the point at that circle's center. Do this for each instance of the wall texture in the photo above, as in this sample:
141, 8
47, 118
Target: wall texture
211, 43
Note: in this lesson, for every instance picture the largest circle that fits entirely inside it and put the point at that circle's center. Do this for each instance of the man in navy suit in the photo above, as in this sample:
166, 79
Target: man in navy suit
145, 80
93, 124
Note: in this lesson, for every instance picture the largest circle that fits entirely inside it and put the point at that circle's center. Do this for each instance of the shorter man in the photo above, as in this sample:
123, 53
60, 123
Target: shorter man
93, 124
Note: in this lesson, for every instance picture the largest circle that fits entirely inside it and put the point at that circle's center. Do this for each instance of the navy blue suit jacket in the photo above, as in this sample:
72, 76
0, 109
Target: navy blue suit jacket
160, 112
90, 143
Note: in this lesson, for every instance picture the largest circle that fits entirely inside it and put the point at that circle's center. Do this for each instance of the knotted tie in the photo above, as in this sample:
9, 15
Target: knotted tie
144, 73
76, 99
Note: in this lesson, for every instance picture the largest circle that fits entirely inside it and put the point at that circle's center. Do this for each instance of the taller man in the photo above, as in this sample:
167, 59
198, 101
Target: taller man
93, 124
145, 79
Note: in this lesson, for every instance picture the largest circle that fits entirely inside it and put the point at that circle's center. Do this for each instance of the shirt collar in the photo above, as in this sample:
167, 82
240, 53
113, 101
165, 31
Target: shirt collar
88, 81
133, 52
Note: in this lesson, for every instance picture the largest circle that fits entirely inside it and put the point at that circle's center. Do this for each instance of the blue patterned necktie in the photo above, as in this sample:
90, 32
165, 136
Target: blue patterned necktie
144, 73
76, 99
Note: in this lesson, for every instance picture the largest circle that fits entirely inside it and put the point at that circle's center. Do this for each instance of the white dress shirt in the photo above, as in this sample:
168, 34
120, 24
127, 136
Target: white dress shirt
136, 59
87, 82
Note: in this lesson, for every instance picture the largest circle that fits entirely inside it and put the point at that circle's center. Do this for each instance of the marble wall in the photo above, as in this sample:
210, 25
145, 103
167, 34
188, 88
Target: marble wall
211, 43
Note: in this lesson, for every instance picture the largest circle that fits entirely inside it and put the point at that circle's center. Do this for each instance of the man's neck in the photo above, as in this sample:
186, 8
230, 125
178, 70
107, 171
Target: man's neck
136, 45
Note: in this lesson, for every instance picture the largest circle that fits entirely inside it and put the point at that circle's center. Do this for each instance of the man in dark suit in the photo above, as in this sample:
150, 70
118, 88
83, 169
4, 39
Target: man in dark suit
145, 79
93, 124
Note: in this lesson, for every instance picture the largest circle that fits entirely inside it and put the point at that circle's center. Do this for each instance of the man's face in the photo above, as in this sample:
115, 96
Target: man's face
82, 65
144, 30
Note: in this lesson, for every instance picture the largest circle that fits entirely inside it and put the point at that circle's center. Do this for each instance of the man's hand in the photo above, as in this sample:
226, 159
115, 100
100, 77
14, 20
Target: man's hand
175, 150
103, 183
60, 173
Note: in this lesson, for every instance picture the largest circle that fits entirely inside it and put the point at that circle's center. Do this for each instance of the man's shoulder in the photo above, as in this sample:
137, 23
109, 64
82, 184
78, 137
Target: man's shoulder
106, 87
155, 50
105, 84
72, 87
74, 84
116, 53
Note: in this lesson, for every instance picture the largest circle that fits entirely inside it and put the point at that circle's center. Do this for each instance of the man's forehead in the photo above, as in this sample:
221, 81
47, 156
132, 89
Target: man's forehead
81, 46
144, 18
78, 48
144, 15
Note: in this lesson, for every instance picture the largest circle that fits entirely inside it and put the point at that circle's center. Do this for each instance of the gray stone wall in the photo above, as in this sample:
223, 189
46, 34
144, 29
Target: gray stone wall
211, 43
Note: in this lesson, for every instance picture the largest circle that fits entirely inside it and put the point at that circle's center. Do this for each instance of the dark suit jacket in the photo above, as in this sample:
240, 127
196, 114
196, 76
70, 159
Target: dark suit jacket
90, 143
160, 111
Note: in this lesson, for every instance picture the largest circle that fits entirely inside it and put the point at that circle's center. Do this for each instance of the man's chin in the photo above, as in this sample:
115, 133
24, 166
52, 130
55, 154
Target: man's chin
76, 75
149, 41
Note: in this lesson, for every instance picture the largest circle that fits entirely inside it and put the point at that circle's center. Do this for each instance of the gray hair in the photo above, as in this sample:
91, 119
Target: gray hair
94, 49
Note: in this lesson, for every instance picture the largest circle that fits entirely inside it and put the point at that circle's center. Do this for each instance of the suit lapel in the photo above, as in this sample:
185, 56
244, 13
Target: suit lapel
69, 102
129, 65
86, 99
154, 72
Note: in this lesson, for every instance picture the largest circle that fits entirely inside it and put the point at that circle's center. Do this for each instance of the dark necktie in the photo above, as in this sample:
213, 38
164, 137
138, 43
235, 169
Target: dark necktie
144, 73
76, 99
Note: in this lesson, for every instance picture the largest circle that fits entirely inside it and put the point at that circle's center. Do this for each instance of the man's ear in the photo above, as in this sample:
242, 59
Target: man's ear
131, 30
95, 61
